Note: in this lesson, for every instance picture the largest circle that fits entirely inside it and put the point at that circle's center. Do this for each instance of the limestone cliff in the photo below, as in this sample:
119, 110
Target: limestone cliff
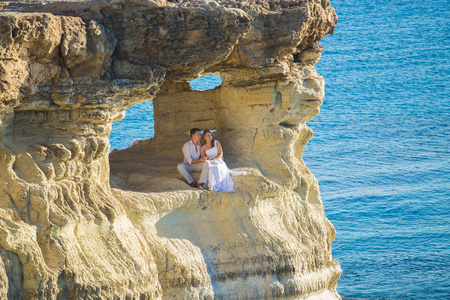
78, 223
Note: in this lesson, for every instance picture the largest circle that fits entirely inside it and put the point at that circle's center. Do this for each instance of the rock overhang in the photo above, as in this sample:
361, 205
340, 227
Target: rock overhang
70, 68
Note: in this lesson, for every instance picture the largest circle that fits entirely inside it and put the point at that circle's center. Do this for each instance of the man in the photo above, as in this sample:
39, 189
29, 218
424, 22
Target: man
193, 162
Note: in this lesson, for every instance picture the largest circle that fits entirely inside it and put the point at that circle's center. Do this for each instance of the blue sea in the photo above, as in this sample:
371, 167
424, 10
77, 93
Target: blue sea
380, 148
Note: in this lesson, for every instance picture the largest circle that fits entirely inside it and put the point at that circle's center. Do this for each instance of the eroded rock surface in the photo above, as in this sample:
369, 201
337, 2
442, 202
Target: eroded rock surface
76, 222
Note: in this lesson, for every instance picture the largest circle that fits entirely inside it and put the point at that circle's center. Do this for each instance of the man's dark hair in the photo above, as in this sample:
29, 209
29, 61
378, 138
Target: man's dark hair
193, 131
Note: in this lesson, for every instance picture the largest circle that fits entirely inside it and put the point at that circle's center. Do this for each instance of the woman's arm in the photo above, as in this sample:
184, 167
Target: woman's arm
220, 154
202, 151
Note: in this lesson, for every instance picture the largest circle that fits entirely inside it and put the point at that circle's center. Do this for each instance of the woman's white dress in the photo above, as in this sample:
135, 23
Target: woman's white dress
219, 178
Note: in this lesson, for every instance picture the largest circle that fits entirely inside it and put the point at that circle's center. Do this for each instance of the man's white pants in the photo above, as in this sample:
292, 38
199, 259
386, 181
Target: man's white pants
185, 169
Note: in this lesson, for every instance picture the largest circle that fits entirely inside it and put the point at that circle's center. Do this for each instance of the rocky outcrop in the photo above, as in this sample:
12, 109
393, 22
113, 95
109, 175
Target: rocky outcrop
76, 222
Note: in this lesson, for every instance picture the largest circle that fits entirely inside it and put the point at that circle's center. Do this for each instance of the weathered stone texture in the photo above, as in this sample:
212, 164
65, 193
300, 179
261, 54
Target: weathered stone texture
79, 223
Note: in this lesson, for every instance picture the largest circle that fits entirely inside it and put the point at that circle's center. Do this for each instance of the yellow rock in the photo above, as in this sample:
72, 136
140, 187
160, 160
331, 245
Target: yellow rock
79, 222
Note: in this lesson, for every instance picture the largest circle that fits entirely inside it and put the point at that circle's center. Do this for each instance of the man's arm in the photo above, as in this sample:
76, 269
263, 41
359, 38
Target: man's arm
187, 155
202, 159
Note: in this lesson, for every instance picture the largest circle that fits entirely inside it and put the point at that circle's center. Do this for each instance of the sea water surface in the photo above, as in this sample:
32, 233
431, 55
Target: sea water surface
380, 148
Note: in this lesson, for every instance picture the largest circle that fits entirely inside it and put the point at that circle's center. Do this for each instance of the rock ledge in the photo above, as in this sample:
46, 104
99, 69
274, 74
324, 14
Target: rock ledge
77, 222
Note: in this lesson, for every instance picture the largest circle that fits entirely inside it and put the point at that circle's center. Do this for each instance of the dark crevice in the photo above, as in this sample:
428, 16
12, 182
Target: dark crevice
287, 125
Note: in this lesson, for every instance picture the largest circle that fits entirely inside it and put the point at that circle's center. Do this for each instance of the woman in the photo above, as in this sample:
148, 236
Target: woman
219, 178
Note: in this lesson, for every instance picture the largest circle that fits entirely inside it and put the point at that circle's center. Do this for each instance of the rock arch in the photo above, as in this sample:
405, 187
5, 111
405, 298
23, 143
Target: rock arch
67, 71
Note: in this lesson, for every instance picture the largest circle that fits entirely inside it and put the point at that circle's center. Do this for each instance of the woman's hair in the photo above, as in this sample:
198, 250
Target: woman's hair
203, 138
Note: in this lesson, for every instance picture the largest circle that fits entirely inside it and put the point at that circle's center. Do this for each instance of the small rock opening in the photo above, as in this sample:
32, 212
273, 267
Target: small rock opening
138, 125
206, 82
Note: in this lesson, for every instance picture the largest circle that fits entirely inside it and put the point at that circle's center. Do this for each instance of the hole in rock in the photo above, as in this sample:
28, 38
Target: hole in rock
206, 82
288, 124
138, 123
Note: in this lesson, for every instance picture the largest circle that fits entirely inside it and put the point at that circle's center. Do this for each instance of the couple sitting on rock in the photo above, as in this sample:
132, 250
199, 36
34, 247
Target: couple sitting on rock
203, 153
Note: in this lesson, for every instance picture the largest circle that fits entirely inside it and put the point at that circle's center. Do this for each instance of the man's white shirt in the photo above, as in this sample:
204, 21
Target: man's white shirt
190, 152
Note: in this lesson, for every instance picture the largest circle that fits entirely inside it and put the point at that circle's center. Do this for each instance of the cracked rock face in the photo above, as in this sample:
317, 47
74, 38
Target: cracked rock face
77, 222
